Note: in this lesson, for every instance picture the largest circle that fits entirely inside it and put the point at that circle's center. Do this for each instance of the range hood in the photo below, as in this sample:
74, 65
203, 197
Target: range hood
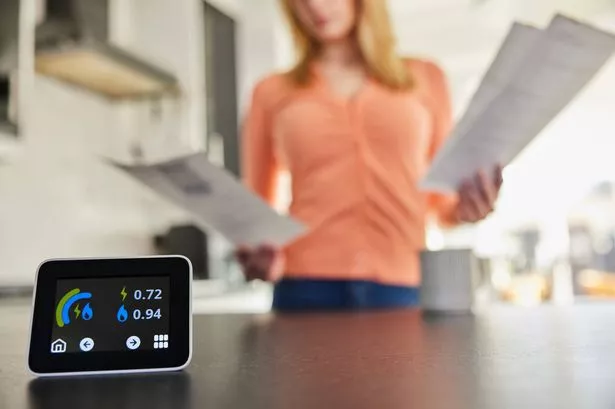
72, 45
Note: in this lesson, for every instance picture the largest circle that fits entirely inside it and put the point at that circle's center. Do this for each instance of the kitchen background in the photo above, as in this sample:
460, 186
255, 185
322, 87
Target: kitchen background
177, 79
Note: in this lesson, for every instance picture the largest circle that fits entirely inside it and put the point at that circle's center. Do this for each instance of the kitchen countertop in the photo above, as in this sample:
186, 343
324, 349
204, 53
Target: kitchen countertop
507, 358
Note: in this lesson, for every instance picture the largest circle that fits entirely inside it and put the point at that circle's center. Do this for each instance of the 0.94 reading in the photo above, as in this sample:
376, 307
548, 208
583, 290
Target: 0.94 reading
148, 314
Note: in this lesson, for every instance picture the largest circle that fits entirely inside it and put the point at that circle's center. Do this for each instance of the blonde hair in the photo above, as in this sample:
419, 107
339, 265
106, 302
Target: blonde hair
377, 43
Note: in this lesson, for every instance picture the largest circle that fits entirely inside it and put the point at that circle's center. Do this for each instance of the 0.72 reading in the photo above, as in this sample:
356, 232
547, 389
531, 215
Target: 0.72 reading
149, 294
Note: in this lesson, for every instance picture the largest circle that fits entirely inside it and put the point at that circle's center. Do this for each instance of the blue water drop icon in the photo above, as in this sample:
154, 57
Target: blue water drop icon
122, 314
87, 313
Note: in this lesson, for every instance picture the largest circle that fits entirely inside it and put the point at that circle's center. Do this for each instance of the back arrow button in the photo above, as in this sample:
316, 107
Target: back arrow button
86, 344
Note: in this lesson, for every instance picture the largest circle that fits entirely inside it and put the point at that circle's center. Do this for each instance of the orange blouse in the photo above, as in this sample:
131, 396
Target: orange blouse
355, 166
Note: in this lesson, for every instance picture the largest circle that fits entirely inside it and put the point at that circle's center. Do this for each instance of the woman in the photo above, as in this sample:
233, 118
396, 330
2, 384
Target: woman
356, 126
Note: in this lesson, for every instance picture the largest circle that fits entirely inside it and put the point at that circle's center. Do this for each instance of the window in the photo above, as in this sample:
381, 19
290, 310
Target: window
8, 106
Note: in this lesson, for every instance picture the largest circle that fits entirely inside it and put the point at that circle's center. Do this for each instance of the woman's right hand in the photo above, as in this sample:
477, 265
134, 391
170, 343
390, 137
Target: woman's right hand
264, 262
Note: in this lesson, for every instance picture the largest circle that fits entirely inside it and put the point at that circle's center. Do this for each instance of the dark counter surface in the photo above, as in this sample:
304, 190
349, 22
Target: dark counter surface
508, 358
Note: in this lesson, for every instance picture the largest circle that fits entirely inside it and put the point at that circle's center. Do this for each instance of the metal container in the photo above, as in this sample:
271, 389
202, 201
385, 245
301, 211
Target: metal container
450, 279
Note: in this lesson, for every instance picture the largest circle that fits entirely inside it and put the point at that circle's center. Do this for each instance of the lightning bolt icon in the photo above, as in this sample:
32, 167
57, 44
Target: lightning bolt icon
123, 293
77, 311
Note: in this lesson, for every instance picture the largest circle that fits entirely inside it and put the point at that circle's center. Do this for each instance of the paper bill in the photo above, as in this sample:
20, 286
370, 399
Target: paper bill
559, 63
217, 200
509, 58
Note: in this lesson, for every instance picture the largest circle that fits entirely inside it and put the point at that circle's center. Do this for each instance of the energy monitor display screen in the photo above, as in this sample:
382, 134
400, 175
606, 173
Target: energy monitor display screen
121, 315
111, 314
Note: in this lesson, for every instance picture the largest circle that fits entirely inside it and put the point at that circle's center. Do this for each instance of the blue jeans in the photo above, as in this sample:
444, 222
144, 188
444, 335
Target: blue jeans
307, 295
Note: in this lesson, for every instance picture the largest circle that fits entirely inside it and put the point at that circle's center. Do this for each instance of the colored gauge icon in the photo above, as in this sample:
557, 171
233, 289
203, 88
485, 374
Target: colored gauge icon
65, 309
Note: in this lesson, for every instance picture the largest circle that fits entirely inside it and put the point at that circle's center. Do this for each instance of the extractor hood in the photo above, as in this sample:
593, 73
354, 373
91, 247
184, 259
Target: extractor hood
72, 45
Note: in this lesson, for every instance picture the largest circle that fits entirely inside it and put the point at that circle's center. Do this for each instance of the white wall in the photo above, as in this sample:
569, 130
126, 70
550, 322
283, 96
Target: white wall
57, 199
169, 34
262, 43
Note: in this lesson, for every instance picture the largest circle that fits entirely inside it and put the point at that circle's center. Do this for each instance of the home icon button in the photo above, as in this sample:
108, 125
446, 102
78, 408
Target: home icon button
58, 346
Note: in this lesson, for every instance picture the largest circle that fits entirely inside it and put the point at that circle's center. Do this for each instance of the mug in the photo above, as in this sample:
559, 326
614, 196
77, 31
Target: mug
450, 279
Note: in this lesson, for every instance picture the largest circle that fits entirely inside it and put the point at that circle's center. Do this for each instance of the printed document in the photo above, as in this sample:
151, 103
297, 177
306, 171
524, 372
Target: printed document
217, 200
520, 95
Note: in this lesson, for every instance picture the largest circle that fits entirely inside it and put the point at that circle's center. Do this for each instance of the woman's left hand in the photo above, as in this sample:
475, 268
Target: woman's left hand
477, 196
